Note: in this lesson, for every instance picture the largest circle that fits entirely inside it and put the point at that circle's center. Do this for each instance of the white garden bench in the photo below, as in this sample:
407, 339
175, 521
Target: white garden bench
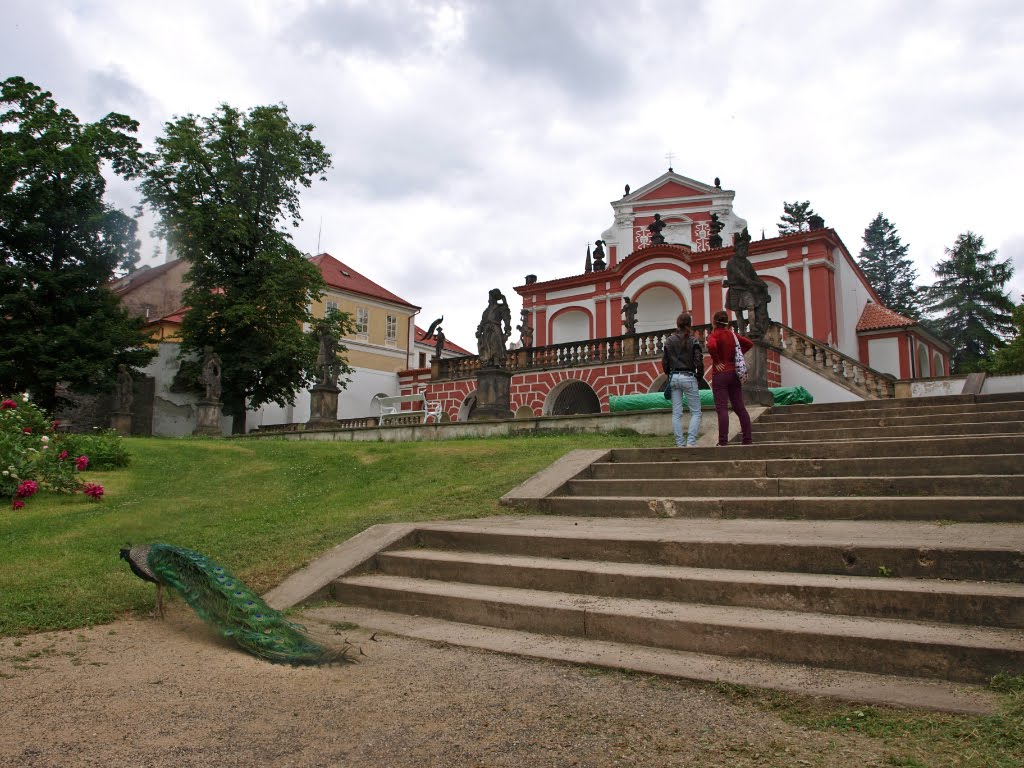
392, 413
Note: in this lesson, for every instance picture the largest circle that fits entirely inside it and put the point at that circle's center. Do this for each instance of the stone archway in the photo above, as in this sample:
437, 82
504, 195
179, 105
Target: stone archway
572, 398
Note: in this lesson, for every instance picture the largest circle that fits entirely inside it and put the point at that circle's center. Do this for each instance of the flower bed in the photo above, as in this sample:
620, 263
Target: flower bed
33, 457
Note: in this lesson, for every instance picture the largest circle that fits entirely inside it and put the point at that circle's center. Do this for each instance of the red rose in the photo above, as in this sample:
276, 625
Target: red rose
81, 462
8, 405
26, 488
93, 490
17, 504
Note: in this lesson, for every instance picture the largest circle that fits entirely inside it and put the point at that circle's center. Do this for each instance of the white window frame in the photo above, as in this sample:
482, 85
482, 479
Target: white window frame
391, 329
362, 321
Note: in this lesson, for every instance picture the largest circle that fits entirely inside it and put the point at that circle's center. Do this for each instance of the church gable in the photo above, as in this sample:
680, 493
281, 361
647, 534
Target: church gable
668, 186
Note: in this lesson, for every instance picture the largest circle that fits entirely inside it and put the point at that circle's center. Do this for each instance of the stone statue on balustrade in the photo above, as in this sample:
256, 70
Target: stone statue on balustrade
494, 330
748, 295
629, 309
655, 228
436, 333
599, 264
525, 331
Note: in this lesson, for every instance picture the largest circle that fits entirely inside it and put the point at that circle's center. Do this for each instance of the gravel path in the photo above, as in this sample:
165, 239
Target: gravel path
143, 692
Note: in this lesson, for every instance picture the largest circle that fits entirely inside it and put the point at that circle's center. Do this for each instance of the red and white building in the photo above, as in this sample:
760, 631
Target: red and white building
818, 294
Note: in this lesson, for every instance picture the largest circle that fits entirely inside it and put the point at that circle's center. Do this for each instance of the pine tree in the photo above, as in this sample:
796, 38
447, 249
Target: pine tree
971, 309
795, 217
884, 262
60, 245
1010, 359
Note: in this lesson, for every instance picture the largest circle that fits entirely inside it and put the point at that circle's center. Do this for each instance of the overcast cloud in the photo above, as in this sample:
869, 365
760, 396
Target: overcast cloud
477, 141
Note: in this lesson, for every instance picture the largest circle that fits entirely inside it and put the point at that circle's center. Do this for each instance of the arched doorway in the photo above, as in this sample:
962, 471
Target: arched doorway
573, 398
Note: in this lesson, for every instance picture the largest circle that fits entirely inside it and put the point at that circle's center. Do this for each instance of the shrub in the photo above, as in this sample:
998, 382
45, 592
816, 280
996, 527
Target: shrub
105, 448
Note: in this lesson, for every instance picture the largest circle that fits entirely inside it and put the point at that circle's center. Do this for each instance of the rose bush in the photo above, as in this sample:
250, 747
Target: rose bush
32, 457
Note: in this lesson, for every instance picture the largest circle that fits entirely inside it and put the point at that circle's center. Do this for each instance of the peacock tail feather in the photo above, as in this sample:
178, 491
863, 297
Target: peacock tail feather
225, 602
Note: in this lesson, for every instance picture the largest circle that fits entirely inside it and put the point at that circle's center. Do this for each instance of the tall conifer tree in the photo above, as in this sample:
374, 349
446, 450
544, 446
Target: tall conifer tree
971, 310
795, 217
60, 245
884, 261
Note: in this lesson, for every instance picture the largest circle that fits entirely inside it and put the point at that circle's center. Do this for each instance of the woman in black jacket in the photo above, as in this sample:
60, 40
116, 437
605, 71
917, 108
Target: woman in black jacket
683, 364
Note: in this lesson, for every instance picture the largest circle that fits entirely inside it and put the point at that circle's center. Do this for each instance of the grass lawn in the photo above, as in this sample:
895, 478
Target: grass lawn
263, 508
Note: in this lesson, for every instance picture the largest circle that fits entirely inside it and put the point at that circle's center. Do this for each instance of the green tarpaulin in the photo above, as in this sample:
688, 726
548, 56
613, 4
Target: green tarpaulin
656, 400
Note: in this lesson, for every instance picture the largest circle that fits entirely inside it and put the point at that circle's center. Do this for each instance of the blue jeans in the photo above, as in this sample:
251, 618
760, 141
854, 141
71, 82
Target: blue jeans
685, 384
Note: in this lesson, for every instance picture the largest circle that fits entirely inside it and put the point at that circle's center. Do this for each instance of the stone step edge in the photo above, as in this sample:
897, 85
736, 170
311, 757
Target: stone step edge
858, 687
761, 619
994, 604
781, 465
965, 587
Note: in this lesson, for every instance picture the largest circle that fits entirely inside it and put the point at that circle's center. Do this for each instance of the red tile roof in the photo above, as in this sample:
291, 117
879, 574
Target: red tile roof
448, 345
875, 317
343, 277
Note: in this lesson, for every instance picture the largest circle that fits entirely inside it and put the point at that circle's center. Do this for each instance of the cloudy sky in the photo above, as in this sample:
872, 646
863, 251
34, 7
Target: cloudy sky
476, 141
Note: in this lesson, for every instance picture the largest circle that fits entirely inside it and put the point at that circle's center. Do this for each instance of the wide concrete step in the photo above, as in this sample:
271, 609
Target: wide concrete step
943, 412
989, 464
949, 445
914, 485
968, 654
935, 509
975, 552
886, 419
957, 602
769, 433
860, 687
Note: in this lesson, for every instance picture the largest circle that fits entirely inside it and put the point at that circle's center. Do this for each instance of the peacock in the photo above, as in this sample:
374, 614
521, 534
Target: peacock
227, 604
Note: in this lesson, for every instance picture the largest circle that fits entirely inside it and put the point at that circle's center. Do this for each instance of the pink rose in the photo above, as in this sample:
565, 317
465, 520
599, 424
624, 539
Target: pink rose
17, 504
81, 462
63, 455
8, 405
93, 490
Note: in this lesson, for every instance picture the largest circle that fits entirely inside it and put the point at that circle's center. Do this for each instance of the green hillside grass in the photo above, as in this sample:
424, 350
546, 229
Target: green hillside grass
263, 508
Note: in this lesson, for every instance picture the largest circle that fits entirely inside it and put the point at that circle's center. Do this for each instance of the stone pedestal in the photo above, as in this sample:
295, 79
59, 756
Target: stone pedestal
208, 418
323, 406
755, 391
121, 422
493, 394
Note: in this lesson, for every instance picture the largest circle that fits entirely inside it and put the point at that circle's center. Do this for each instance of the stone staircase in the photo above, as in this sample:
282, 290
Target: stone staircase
870, 550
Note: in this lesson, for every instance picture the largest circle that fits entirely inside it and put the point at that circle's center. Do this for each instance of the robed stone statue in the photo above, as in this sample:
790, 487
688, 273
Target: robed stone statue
494, 329
748, 294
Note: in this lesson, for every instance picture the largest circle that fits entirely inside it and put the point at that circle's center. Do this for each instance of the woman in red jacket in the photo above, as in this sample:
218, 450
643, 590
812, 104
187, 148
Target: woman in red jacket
725, 384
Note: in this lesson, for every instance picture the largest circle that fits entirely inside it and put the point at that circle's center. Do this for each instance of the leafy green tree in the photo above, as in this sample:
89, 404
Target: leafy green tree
1010, 359
60, 245
970, 307
884, 261
795, 217
225, 186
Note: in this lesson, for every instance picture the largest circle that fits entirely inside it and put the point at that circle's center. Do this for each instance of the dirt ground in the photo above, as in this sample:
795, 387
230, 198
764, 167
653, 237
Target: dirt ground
143, 692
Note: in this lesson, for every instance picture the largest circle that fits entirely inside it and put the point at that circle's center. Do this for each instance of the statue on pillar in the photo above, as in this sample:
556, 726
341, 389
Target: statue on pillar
327, 357
748, 294
123, 391
211, 375
494, 329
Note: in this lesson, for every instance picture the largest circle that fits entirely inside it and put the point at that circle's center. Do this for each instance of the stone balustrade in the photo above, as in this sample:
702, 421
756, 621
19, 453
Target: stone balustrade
830, 362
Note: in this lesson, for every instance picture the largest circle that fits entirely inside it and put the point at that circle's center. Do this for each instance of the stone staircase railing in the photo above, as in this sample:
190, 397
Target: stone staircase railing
830, 363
